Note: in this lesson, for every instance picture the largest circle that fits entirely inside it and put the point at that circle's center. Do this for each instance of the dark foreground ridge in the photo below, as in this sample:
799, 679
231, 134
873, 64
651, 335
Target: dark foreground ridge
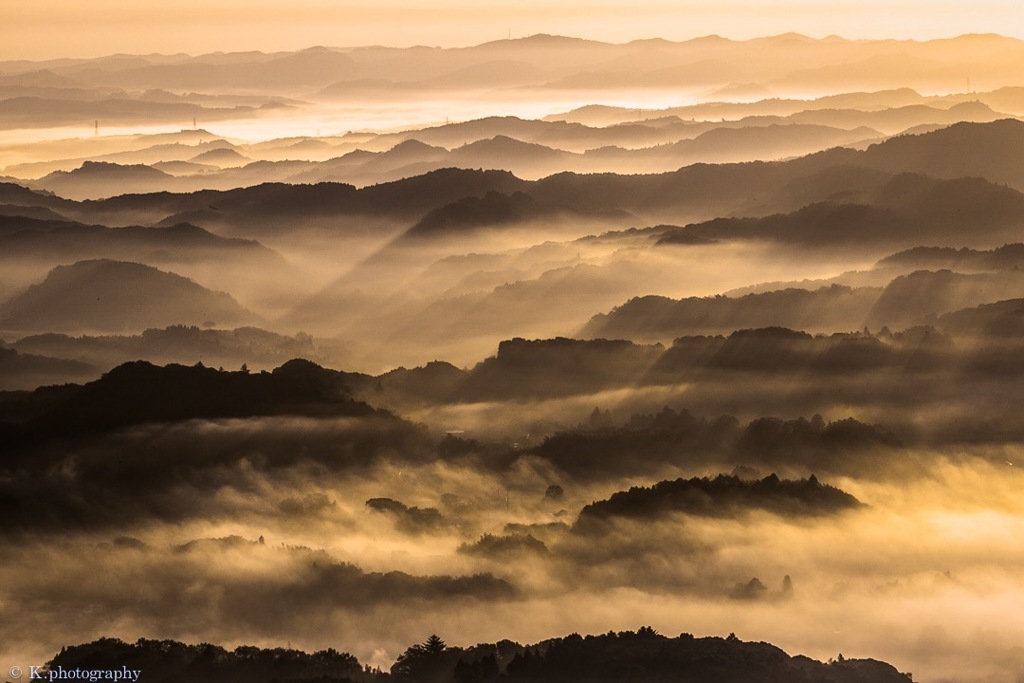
140, 392
643, 655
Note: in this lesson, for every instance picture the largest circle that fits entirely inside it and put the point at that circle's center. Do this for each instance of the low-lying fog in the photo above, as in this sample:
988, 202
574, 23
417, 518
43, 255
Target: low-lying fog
925, 575
858, 327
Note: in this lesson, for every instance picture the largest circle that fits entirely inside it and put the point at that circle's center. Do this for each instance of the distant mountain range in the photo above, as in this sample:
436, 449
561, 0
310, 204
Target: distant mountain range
180, 168
868, 202
777, 63
903, 207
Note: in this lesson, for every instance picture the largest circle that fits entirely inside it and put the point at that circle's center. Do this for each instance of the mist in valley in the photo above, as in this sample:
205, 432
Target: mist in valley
343, 347
184, 560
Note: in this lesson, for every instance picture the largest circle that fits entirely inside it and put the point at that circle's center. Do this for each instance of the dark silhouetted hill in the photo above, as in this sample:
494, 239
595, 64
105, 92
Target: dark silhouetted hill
983, 150
779, 350
17, 195
556, 367
208, 663
436, 382
724, 495
1000, 320
646, 443
814, 225
493, 209
514, 155
727, 144
841, 445
38, 213
917, 298
140, 392
505, 547
908, 210
117, 296
1006, 257
178, 168
28, 370
275, 207
649, 656
142, 439
413, 520
660, 318
62, 240
771, 349
182, 344
899, 119
439, 188
908, 300
222, 156
99, 179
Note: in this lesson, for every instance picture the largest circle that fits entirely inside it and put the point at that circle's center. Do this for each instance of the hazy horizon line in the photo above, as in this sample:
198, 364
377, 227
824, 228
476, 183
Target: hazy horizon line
831, 37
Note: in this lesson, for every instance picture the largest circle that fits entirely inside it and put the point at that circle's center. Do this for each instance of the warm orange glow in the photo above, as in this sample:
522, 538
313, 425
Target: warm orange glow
333, 324
62, 28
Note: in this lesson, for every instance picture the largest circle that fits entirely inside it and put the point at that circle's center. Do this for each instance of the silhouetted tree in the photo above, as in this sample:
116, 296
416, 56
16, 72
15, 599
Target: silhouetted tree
434, 644
428, 662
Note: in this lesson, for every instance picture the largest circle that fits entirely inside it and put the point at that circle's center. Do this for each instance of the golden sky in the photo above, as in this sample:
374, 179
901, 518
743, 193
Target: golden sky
38, 29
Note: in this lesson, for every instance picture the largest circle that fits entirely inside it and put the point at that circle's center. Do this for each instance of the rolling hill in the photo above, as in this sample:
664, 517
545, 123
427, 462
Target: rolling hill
116, 296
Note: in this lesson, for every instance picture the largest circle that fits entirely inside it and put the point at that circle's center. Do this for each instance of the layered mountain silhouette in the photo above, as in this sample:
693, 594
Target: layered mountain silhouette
846, 195
98, 179
1008, 256
29, 370
660, 318
51, 239
778, 62
1003, 319
492, 209
912, 298
908, 300
184, 344
544, 369
532, 159
890, 111
908, 209
961, 150
37, 104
